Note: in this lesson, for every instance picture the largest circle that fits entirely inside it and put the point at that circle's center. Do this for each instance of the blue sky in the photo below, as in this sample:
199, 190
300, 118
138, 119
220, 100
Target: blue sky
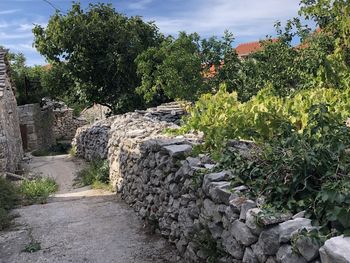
249, 20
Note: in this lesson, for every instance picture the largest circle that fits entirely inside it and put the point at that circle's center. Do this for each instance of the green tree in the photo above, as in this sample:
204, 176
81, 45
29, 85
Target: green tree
285, 67
98, 47
333, 18
183, 68
27, 80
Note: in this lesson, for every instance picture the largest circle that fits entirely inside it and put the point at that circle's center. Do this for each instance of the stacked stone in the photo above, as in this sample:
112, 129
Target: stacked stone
11, 151
178, 196
91, 141
128, 131
168, 192
169, 112
94, 140
65, 124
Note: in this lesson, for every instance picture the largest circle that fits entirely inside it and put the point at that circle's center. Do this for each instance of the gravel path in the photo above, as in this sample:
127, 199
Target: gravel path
80, 225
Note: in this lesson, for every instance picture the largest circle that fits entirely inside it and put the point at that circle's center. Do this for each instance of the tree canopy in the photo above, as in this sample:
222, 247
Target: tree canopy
185, 67
97, 47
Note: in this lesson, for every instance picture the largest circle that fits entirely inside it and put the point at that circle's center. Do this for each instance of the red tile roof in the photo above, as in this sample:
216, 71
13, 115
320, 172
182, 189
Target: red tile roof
246, 49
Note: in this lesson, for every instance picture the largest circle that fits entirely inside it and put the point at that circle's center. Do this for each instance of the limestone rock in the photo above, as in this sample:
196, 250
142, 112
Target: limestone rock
288, 227
231, 245
219, 192
249, 256
268, 220
336, 250
251, 220
286, 255
259, 253
248, 204
269, 241
307, 248
242, 233
178, 150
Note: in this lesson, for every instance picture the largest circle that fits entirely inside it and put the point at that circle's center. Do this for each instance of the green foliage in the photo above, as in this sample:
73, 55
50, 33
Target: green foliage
180, 68
333, 17
28, 80
32, 247
305, 170
208, 245
73, 151
95, 174
97, 48
38, 190
264, 117
8, 199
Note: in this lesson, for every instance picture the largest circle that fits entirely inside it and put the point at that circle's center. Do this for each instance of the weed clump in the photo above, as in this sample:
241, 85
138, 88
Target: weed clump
8, 199
37, 191
95, 174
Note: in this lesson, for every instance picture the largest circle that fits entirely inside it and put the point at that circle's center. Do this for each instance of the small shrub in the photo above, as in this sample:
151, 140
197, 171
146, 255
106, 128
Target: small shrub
8, 199
95, 174
38, 190
73, 151
303, 171
32, 247
264, 117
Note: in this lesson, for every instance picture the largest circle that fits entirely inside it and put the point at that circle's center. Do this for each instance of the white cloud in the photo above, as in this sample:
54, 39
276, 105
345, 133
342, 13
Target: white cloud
139, 4
25, 27
6, 36
9, 11
4, 25
243, 18
21, 47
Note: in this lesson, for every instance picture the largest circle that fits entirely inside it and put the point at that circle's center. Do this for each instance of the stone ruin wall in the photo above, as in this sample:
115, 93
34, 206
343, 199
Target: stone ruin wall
11, 151
156, 176
36, 126
65, 124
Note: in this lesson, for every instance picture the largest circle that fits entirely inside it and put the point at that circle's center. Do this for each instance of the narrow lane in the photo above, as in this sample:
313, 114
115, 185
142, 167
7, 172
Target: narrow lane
80, 225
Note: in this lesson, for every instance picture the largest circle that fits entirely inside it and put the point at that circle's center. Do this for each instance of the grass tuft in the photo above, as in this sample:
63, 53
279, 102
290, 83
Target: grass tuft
95, 174
38, 190
8, 199
32, 247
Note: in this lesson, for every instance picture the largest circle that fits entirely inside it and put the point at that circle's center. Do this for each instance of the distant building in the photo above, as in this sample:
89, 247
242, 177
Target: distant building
245, 49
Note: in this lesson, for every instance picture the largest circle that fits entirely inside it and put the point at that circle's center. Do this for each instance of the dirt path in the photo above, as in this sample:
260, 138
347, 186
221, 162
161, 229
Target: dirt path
80, 225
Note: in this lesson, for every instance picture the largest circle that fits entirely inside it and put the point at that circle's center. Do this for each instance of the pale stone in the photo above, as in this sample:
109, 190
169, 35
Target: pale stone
288, 227
269, 241
286, 255
249, 256
336, 250
242, 233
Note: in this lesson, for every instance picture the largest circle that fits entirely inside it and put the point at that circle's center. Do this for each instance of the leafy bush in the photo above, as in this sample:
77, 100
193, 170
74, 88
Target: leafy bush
38, 190
303, 171
264, 117
95, 174
8, 199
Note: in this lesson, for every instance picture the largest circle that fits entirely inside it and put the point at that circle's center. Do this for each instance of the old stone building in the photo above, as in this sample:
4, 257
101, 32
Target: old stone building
36, 127
11, 150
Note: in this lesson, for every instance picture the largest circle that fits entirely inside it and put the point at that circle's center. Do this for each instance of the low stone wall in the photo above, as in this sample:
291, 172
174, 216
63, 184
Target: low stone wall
91, 141
65, 124
36, 125
198, 210
11, 150
94, 140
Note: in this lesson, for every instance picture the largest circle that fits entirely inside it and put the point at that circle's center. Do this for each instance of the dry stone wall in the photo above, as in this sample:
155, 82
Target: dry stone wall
36, 125
65, 124
11, 151
194, 208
